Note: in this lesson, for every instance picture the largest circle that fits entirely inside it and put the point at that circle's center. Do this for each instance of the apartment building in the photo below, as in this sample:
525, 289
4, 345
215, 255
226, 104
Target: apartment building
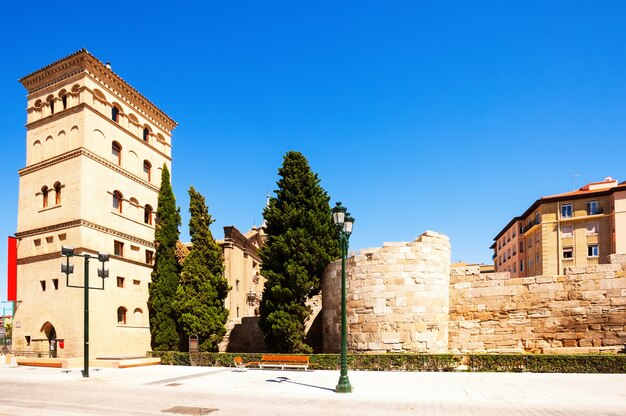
577, 228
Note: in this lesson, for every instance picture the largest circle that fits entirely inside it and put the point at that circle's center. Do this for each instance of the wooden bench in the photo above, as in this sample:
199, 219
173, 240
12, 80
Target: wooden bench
276, 361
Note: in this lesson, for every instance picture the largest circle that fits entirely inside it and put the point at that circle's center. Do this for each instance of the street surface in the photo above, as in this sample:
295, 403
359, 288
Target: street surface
168, 390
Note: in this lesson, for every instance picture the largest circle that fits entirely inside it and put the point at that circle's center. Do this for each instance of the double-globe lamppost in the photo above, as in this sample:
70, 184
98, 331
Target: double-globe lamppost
343, 221
68, 269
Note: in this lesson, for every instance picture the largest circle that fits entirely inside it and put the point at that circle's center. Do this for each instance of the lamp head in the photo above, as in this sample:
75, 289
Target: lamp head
339, 214
67, 251
103, 257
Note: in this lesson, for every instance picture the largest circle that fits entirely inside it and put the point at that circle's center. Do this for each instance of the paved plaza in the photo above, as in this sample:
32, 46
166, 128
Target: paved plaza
163, 390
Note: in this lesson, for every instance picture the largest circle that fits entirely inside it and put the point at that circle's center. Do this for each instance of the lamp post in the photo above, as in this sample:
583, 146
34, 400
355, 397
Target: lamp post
343, 221
68, 269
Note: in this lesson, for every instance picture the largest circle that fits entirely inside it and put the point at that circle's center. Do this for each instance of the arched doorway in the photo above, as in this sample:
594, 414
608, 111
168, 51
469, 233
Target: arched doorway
51, 335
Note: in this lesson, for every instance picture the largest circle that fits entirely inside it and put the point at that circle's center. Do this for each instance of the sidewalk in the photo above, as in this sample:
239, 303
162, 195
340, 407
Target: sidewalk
223, 391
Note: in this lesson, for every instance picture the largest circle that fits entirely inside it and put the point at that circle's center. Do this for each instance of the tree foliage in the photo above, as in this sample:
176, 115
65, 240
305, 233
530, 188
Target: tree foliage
301, 241
202, 288
163, 329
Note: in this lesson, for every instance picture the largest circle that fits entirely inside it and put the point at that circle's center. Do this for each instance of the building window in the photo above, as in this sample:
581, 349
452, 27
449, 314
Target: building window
568, 252
521, 266
592, 228
566, 211
514, 268
116, 151
136, 282
567, 231
57, 193
121, 315
120, 281
44, 194
530, 262
147, 169
592, 250
115, 114
64, 101
55, 283
118, 248
592, 208
117, 201
521, 247
146, 134
508, 254
537, 218
43, 285
149, 257
147, 214
538, 259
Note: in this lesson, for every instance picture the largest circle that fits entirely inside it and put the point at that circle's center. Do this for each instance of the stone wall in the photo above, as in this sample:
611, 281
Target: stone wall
397, 298
585, 308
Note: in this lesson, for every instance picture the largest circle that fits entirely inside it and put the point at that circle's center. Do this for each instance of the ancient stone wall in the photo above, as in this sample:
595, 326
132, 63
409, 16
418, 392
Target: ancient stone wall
397, 298
585, 308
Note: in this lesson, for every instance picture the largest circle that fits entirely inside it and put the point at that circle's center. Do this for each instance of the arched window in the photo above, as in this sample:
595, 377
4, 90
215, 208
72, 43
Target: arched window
121, 315
116, 151
50, 101
146, 134
44, 193
115, 114
147, 215
147, 169
63, 97
117, 201
57, 193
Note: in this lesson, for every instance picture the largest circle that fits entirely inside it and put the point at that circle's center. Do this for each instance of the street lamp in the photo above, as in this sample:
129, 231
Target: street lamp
68, 269
343, 221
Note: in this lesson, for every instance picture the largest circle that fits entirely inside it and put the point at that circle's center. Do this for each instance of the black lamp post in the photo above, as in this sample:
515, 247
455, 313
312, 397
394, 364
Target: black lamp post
68, 269
343, 221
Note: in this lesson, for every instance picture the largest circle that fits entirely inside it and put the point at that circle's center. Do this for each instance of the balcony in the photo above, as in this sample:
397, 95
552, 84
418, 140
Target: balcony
596, 211
530, 225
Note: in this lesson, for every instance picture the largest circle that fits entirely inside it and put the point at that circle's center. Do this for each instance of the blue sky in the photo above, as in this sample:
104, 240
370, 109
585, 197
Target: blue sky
453, 117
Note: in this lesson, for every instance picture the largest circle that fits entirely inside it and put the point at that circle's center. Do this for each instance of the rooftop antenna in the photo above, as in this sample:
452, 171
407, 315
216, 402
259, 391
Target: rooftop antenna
574, 176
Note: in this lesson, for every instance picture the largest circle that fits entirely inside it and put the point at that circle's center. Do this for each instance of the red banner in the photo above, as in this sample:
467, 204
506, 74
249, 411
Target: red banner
12, 270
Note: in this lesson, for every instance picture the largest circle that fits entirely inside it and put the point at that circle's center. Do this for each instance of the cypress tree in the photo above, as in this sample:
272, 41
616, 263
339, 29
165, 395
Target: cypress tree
301, 241
203, 289
163, 330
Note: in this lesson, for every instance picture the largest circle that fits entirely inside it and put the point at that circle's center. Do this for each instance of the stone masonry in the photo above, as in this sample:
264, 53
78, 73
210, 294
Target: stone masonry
585, 307
397, 298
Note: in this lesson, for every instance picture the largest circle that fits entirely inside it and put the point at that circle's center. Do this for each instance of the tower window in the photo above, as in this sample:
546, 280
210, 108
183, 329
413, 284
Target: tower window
149, 257
147, 215
117, 201
147, 169
146, 134
64, 101
115, 114
116, 151
118, 248
57, 193
44, 194
121, 315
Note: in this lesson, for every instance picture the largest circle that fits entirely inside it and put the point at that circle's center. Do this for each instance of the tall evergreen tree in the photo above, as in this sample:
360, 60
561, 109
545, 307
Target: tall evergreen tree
301, 241
163, 328
203, 289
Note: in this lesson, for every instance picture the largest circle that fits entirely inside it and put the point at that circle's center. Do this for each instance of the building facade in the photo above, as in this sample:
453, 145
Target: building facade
577, 228
95, 148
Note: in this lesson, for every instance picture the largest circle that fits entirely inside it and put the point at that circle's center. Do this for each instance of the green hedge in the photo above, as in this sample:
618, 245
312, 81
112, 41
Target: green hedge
535, 363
